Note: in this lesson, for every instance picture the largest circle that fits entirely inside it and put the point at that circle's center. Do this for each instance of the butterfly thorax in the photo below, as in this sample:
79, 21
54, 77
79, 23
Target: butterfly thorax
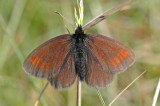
79, 50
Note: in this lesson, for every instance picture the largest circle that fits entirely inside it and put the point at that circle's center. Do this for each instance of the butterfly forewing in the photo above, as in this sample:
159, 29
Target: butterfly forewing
95, 75
45, 61
114, 56
66, 76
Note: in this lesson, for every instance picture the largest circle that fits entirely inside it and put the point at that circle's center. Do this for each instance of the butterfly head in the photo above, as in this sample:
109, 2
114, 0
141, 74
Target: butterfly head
79, 30
79, 35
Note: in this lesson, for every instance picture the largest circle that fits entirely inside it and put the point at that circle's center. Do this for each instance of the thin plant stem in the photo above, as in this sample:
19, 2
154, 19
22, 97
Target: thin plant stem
78, 92
79, 21
37, 101
104, 15
126, 88
156, 94
100, 97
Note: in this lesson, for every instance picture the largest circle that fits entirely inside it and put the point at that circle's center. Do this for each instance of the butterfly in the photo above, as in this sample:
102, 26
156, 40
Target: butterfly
93, 58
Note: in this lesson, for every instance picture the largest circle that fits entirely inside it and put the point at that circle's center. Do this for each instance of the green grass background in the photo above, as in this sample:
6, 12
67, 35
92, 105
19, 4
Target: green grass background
25, 24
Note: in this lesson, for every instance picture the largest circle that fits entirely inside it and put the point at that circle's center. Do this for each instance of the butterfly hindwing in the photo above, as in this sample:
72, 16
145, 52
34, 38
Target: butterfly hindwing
45, 61
67, 74
95, 74
114, 56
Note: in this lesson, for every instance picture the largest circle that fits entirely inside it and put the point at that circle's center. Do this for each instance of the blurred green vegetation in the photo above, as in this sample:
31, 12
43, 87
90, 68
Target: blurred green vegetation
25, 24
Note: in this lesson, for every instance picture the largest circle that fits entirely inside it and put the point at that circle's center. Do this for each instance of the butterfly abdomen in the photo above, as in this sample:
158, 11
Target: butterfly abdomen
80, 61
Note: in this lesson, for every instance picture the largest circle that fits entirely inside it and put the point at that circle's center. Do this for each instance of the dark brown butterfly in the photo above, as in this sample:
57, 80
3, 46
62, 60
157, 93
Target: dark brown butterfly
92, 57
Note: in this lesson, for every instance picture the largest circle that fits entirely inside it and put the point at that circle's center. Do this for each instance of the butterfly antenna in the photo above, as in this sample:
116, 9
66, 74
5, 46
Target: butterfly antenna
37, 101
100, 97
65, 19
67, 29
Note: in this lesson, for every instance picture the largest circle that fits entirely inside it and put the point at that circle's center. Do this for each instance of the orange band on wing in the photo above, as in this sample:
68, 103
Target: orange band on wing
122, 54
47, 67
113, 63
117, 60
33, 60
38, 61
42, 65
